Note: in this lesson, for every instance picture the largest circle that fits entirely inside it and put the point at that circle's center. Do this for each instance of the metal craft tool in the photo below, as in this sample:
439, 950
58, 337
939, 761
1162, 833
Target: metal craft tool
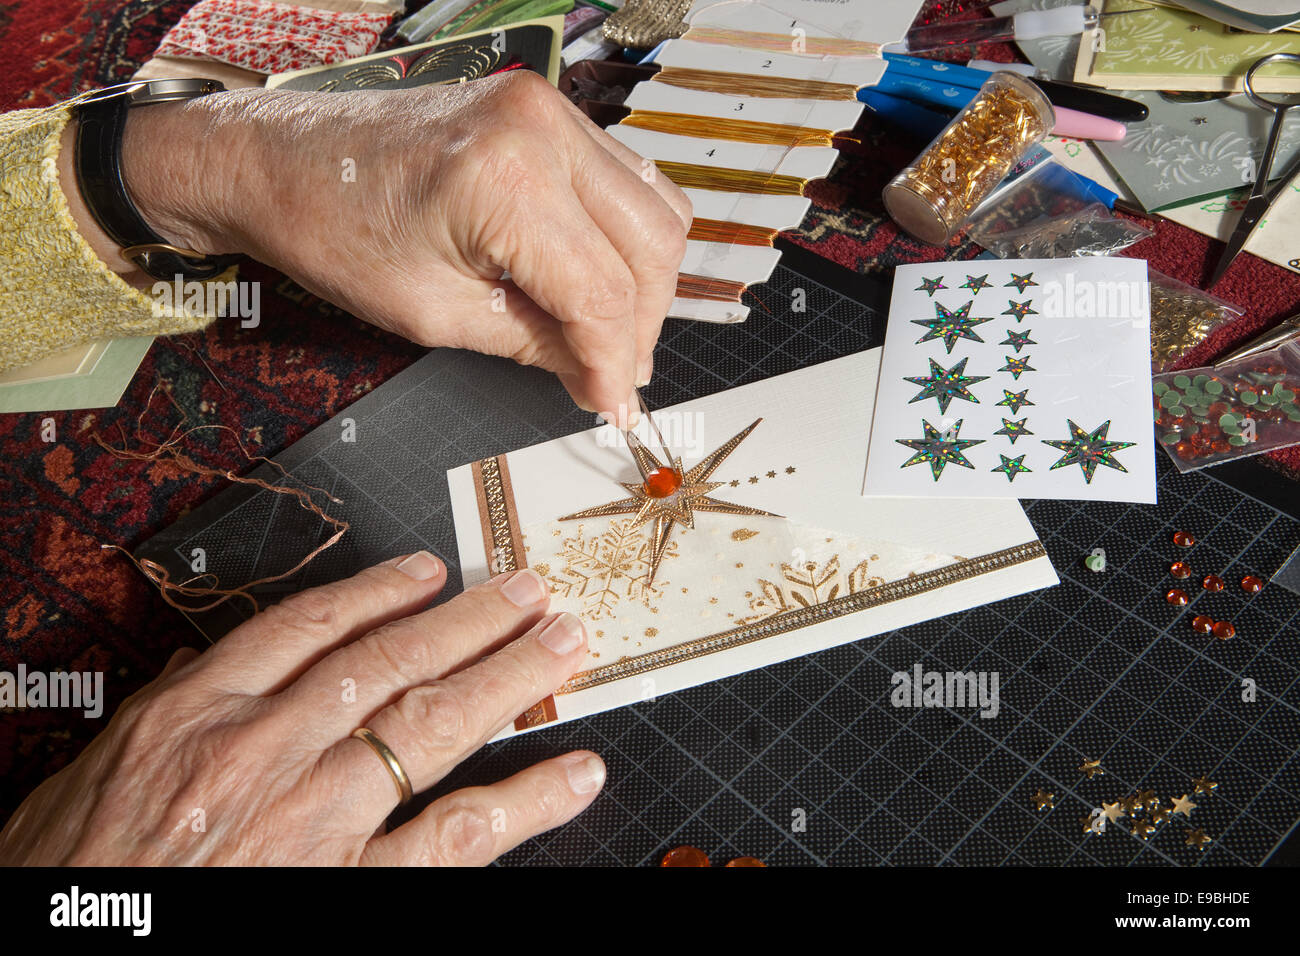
1262, 196
635, 444
1285, 331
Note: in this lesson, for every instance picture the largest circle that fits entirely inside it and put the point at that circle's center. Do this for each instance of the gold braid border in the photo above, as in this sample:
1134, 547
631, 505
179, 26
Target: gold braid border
501, 531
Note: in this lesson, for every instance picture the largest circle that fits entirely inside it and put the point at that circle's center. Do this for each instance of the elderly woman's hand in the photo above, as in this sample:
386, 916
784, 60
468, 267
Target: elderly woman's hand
405, 207
244, 754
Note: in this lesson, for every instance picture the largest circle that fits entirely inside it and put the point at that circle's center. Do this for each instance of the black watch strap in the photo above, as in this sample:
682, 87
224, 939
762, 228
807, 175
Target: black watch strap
101, 120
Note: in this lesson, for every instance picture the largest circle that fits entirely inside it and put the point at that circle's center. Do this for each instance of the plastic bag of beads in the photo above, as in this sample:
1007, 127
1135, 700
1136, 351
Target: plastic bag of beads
1182, 317
1206, 416
1051, 213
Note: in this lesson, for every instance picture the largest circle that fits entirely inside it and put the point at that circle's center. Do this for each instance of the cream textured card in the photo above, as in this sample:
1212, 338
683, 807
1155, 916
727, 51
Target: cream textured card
1016, 378
736, 591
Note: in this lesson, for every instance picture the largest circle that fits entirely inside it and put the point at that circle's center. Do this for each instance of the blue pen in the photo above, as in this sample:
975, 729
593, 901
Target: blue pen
937, 71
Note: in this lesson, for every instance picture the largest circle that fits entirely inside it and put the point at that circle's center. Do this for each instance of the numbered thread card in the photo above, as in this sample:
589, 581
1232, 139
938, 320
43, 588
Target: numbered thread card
1017, 378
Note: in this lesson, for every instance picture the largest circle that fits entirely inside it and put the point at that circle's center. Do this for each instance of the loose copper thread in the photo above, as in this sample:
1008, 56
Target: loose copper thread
736, 233
740, 131
169, 451
180, 340
761, 87
701, 287
783, 42
692, 176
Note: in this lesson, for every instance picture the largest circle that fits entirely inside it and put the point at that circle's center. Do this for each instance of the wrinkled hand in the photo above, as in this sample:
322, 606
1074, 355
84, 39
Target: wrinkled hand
405, 207
243, 754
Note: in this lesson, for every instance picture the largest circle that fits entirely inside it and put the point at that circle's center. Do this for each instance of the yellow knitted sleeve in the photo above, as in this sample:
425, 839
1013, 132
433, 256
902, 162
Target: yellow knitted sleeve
54, 291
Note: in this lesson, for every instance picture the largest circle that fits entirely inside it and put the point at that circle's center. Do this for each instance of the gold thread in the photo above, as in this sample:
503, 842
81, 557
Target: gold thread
784, 42
733, 233
693, 176
760, 87
739, 131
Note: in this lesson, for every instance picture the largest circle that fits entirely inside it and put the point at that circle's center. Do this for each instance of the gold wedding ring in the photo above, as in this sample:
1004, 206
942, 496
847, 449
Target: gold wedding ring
400, 779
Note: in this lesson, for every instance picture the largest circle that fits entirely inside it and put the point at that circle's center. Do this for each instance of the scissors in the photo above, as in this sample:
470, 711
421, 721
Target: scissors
1261, 196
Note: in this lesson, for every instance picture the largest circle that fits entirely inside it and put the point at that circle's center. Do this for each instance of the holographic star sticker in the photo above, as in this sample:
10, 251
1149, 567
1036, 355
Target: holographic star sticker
930, 286
1011, 466
1020, 309
1014, 400
943, 385
1018, 340
1013, 429
950, 325
1017, 366
938, 449
975, 283
1021, 282
680, 506
1089, 449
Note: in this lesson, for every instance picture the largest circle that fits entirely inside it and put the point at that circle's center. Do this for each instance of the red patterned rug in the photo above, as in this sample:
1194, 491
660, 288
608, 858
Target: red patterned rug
68, 604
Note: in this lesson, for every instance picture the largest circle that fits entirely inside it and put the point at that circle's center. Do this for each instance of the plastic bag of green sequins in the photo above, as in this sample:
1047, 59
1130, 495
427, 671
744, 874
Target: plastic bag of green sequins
1206, 416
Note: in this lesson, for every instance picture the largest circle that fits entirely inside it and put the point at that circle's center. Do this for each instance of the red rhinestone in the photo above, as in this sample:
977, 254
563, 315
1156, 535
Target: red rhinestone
1224, 630
746, 861
1180, 569
1251, 584
1213, 582
1184, 449
685, 856
1220, 447
1184, 539
1176, 596
1202, 624
662, 482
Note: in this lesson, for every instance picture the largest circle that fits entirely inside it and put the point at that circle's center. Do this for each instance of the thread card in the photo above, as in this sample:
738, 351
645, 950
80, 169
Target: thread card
1016, 378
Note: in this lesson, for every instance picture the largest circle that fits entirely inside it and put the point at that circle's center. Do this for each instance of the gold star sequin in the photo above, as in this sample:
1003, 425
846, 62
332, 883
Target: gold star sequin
1044, 800
1147, 799
1112, 811
1142, 829
1092, 768
1090, 824
1204, 785
679, 507
1184, 805
1197, 838
1161, 814
1130, 803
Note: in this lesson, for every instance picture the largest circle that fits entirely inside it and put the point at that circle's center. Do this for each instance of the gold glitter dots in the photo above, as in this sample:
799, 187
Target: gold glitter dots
743, 534
652, 632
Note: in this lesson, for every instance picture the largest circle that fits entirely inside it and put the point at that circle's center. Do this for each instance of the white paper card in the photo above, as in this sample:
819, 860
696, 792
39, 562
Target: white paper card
1016, 378
799, 463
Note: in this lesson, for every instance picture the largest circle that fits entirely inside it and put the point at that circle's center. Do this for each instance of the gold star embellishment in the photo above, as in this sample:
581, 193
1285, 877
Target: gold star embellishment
1112, 811
1184, 805
1130, 803
1197, 838
1142, 829
679, 507
1147, 799
1044, 800
1092, 768
1204, 785
1161, 814
789, 470
1092, 824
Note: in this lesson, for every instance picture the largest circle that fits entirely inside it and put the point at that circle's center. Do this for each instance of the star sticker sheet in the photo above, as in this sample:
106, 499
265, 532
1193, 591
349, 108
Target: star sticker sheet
781, 555
1016, 378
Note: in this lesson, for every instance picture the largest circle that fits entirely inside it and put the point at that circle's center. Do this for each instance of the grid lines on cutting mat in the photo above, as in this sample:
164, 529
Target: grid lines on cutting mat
1099, 667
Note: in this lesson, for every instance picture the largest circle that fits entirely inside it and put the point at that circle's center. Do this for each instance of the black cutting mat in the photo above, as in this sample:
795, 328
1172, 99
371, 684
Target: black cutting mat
806, 762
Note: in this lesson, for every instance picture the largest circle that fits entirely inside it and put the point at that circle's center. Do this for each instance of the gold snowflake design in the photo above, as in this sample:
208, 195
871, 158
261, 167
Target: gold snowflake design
808, 583
609, 568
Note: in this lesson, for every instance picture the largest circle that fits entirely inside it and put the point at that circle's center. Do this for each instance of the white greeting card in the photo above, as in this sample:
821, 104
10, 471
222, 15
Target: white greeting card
1016, 378
784, 556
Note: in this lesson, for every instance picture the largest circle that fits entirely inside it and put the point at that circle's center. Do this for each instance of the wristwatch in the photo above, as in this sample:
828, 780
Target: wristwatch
101, 119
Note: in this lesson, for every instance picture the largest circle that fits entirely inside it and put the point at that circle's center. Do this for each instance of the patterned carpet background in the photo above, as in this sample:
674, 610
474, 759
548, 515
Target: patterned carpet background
67, 604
